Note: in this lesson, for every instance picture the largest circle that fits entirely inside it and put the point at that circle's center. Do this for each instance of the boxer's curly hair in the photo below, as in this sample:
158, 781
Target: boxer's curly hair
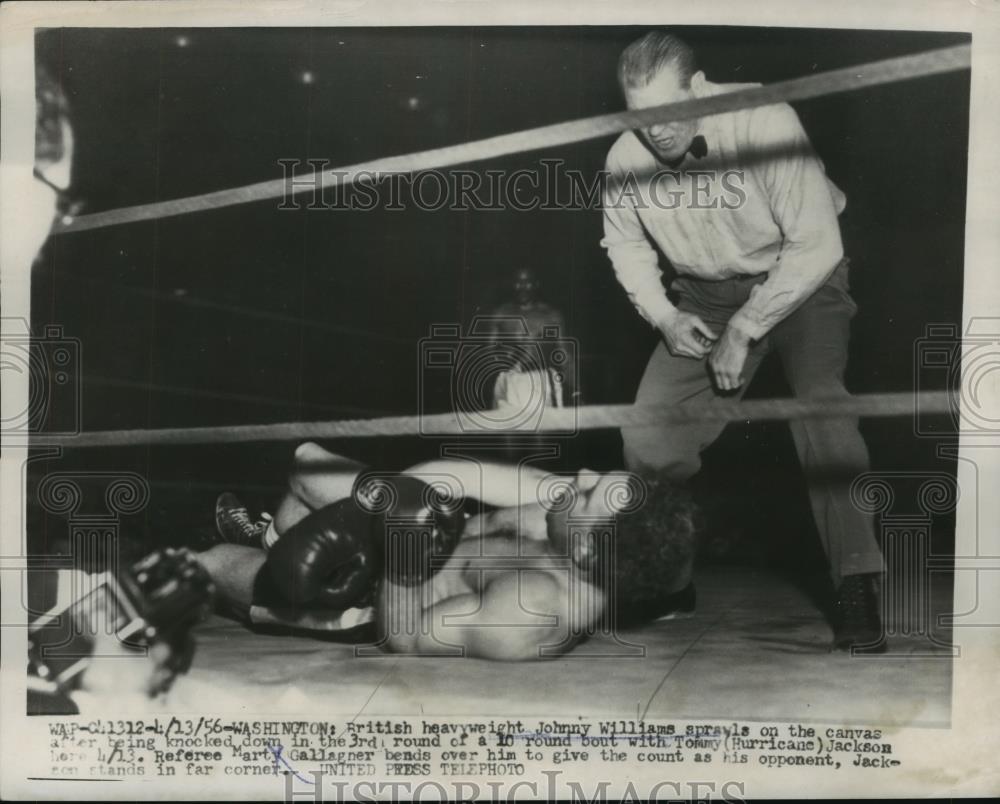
654, 550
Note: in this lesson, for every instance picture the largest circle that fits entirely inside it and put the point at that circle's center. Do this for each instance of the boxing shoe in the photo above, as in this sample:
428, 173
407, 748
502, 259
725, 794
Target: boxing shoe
234, 525
857, 623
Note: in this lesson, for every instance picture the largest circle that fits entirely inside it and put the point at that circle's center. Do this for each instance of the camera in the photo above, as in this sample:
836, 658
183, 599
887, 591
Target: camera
968, 366
495, 378
51, 366
156, 600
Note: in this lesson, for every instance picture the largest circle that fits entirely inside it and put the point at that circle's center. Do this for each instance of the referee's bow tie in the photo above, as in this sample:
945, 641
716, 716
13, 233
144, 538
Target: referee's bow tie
698, 149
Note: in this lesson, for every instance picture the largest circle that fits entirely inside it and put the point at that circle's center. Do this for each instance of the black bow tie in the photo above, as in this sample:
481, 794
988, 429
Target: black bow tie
698, 149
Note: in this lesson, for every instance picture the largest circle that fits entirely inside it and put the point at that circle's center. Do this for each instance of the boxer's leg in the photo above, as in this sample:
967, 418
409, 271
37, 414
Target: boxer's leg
812, 344
318, 478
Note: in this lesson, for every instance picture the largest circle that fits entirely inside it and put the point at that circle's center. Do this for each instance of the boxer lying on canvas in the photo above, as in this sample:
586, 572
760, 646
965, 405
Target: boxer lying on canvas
527, 578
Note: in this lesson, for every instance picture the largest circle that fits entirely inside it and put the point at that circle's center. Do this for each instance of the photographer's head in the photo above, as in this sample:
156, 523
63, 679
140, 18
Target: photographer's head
53, 164
655, 70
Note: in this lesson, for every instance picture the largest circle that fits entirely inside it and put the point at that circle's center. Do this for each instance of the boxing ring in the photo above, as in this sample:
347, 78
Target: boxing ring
719, 663
748, 618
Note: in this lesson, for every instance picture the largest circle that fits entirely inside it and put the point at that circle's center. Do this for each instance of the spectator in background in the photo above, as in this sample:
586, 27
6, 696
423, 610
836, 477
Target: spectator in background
535, 369
526, 320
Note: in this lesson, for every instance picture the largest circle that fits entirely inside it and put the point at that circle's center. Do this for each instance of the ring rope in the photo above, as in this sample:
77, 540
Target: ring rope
931, 62
552, 420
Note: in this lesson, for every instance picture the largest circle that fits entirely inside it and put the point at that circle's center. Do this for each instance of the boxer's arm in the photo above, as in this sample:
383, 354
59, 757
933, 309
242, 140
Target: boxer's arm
318, 478
522, 522
502, 485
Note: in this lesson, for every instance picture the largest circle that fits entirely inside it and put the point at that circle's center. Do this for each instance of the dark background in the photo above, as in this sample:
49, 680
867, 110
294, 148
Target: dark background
250, 314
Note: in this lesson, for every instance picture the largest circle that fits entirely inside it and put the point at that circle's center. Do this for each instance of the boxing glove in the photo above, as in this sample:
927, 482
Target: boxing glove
325, 560
421, 524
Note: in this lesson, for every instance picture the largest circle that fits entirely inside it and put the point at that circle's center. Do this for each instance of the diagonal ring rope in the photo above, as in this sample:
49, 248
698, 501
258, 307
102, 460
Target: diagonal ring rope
564, 420
553, 420
931, 62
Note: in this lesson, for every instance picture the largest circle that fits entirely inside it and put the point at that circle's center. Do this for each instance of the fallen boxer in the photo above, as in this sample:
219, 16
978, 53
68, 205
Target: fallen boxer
527, 578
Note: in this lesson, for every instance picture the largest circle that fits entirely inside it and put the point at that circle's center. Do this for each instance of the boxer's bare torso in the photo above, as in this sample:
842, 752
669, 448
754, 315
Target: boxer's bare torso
478, 561
500, 595
504, 593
